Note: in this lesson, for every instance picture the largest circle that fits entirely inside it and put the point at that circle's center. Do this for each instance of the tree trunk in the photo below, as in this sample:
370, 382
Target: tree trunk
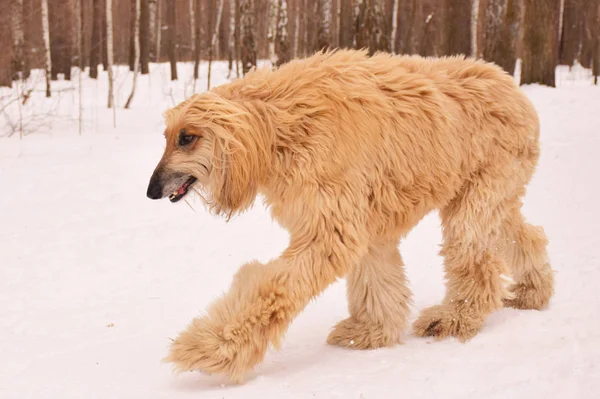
346, 25
172, 39
272, 15
307, 45
596, 48
192, 13
158, 29
144, 36
231, 44
60, 19
248, 30
324, 25
215, 37
501, 26
561, 19
296, 27
33, 36
18, 36
540, 42
6, 43
103, 33
197, 36
282, 40
407, 26
109, 59
394, 32
136, 49
132, 44
46, 34
79, 40
78, 11
95, 48
370, 32
237, 38
576, 39
473, 26
152, 24
457, 27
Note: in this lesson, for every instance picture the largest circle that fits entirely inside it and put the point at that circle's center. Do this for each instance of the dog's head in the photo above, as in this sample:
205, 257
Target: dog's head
212, 147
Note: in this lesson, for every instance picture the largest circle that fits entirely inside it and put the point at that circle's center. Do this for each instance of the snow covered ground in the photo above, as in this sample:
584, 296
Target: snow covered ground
95, 278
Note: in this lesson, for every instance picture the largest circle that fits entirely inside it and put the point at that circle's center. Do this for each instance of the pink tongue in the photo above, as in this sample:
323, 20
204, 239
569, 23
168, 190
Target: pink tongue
181, 190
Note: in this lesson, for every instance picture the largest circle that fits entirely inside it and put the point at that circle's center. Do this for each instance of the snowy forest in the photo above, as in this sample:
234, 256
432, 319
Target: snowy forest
59, 35
97, 280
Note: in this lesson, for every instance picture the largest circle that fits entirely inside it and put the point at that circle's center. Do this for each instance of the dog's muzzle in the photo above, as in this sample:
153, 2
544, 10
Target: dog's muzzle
174, 185
155, 187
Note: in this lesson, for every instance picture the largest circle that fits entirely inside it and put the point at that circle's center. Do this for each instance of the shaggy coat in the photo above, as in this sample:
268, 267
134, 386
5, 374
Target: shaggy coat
350, 152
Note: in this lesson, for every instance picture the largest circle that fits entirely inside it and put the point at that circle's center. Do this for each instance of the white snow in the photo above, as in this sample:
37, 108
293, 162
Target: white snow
95, 278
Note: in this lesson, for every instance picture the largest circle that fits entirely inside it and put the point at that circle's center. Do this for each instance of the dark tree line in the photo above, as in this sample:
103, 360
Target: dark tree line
542, 33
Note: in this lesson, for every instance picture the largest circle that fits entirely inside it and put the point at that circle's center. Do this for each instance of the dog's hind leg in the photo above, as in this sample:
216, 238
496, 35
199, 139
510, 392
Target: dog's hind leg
378, 301
526, 255
473, 252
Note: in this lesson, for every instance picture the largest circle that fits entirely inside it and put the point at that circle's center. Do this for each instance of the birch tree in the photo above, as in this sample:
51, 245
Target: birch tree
191, 10
237, 38
296, 28
215, 38
109, 59
197, 36
561, 21
272, 15
596, 48
282, 40
324, 25
474, 25
231, 44
136, 59
78, 11
79, 41
158, 29
46, 36
248, 31
152, 24
394, 27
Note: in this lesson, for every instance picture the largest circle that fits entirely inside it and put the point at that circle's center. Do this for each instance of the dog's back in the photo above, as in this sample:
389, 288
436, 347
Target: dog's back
430, 122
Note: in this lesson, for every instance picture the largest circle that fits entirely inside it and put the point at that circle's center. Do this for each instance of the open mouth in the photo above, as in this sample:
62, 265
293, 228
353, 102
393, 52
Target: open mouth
182, 190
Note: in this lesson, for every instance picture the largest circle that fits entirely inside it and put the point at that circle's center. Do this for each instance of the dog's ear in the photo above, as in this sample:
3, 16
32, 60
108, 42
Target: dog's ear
236, 174
241, 148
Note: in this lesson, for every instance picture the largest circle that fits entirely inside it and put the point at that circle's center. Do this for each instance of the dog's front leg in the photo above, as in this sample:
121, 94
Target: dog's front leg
259, 307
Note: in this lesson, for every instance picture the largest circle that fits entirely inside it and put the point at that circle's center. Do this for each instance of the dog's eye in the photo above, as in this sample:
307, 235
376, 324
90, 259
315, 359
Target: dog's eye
185, 139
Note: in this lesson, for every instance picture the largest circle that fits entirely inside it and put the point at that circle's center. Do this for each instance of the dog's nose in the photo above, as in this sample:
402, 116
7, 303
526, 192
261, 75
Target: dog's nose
155, 188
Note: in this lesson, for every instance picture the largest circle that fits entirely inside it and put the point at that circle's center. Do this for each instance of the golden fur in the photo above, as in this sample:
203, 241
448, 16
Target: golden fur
350, 152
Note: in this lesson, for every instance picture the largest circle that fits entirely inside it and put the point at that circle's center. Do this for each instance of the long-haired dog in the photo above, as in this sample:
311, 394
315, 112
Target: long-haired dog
350, 152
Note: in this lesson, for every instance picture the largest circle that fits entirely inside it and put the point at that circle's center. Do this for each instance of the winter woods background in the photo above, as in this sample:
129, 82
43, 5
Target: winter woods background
95, 279
63, 36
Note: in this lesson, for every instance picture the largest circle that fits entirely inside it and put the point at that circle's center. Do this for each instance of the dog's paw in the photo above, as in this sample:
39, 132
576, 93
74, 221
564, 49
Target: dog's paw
528, 297
208, 348
442, 321
354, 334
